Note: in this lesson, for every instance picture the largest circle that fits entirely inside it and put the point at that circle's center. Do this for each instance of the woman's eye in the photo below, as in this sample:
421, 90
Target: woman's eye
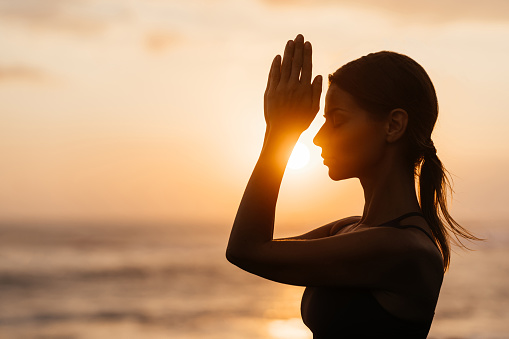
334, 119
337, 120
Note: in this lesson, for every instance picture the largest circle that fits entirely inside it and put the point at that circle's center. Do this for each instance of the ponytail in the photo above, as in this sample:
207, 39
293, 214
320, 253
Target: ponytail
434, 185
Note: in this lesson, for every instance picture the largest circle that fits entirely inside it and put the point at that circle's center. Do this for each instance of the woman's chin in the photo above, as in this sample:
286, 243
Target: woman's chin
336, 178
337, 175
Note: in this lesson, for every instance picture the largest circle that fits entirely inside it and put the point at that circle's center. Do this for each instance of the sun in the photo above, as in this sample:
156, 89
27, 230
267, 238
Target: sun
299, 157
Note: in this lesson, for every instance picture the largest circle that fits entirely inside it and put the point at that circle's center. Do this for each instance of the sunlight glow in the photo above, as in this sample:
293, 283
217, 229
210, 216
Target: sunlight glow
289, 329
299, 157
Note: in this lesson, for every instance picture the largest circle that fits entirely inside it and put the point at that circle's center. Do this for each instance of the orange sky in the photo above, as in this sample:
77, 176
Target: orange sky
152, 110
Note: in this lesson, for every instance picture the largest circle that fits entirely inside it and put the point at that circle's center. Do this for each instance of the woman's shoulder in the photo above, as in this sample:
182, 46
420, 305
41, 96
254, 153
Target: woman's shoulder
413, 244
343, 225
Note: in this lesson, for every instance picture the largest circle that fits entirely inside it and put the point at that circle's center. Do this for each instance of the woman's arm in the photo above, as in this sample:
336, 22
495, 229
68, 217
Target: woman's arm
290, 103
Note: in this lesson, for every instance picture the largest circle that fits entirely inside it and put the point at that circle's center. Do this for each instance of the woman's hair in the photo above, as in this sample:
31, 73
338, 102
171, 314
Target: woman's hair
381, 82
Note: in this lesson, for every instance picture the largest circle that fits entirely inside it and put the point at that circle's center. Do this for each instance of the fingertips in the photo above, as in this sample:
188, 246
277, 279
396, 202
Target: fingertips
276, 66
276, 62
317, 81
275, 73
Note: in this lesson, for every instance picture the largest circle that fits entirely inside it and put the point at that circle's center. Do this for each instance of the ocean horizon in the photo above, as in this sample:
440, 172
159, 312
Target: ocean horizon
173, 281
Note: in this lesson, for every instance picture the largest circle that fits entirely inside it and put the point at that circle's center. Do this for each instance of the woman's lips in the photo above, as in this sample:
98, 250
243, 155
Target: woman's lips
328, 159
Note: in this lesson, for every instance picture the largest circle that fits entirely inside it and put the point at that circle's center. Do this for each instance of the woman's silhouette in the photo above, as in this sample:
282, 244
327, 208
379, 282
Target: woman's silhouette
375, 276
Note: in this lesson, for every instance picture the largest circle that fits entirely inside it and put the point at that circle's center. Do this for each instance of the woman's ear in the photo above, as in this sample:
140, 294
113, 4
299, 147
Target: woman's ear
397, 121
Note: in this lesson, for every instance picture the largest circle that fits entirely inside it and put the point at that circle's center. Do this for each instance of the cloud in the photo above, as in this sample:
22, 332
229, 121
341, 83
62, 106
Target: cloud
24, 73
159, 41
63, 15
410, 10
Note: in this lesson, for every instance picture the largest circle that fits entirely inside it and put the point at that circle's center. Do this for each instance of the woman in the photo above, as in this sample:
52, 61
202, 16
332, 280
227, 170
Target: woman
375, 276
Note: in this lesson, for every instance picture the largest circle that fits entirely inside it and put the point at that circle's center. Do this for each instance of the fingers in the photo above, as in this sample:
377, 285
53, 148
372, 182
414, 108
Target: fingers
274, 73
286, 67
297, 61
317, 91
297, 58
305, 77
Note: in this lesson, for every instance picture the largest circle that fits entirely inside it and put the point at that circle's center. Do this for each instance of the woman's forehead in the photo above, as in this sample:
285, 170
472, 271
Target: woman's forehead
336, 98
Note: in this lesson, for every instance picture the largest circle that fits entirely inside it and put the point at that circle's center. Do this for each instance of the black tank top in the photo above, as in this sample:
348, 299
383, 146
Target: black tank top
337, 313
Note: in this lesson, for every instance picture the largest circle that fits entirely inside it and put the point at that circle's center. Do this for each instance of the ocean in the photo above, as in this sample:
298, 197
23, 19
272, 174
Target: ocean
172, 281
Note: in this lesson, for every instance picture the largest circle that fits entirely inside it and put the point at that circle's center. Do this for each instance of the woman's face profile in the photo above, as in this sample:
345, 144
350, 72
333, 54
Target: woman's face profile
352, 141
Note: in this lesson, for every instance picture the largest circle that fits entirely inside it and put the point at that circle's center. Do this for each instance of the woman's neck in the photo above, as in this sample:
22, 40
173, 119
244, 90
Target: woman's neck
388, 193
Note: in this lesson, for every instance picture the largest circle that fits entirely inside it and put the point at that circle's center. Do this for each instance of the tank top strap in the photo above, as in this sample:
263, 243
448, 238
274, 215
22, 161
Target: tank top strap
404, 216
395, 223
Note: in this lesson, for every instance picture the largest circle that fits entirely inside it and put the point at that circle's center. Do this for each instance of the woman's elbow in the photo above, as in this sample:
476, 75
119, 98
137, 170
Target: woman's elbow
237, 257
230, 256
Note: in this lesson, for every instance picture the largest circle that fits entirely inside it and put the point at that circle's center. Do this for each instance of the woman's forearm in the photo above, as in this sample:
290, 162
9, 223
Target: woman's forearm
254, 222
291, 102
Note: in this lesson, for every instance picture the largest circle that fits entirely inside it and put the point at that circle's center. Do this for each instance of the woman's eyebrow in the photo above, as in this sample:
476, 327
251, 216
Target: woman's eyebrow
327, 111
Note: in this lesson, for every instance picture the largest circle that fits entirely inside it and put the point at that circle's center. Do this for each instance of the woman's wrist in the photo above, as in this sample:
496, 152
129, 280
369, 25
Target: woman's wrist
280, 138
278, 145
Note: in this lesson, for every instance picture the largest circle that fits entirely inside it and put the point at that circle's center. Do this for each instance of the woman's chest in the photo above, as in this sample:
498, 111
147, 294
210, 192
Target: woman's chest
320, 305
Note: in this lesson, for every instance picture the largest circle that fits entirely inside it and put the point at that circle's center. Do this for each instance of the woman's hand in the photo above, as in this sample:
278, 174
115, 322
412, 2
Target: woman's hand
291, 101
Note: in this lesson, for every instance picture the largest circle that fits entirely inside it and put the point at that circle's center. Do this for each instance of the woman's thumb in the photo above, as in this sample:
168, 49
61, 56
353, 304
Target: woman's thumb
317, 91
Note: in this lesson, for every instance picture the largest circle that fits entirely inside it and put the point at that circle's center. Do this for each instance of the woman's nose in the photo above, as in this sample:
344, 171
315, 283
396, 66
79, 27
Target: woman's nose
317, 140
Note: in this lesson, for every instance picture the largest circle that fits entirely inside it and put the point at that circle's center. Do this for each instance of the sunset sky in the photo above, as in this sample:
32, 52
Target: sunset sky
152, 111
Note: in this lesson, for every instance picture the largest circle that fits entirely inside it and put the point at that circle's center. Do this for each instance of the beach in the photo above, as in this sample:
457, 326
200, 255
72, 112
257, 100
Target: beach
78, 280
